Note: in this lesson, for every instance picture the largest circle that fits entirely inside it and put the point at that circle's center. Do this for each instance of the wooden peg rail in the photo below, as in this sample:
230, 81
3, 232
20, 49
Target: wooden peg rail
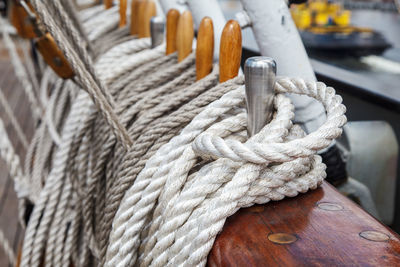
230, 51
171, 30
319, 228
205, 48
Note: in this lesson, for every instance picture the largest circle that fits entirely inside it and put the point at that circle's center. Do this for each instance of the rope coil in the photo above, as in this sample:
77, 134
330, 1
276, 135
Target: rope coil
188, 201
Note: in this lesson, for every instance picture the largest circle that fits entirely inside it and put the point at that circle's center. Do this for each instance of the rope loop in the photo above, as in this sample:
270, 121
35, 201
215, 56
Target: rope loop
210, 146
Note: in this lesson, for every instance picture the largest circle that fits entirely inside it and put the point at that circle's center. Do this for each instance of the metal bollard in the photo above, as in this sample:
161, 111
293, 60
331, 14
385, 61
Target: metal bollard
157, 25
260, 74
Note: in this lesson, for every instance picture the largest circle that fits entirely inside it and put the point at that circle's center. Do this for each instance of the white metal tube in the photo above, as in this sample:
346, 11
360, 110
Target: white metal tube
160, 11
278, 38
212, 9
166, 5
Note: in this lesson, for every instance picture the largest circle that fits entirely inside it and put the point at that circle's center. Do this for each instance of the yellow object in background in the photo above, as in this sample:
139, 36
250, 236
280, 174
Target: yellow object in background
320, 13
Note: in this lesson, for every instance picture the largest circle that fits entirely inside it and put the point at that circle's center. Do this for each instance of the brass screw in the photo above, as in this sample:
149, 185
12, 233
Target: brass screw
329, 206
257, 209
374, 236
282, 238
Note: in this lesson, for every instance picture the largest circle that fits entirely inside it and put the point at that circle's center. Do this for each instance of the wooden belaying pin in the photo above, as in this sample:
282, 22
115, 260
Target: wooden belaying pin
230, 51
147, 10
184, 35
157, 25
171, 30
53, 56
108, 4
122, 12
205, 48
134, 17
260, 75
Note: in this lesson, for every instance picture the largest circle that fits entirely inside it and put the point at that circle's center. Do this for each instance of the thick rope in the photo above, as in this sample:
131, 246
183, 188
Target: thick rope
20, 72
13, 120
161, 199
12, 161
335, 121
7, 249
81, 66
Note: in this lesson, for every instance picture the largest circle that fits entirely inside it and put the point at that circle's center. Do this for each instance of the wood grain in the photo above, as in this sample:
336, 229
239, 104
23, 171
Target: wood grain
53, 56
140, 21
185, 35
230, 52
147, 10
20, 20
134, 17
172, 28
123, 4
319, 228
205, 48
108, 4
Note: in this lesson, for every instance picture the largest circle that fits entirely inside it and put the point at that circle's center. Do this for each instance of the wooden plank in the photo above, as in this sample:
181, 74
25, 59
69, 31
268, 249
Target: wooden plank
320, 228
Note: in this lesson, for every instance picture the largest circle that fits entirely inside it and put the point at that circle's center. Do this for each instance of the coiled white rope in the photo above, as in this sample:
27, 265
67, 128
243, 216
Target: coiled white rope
182, 211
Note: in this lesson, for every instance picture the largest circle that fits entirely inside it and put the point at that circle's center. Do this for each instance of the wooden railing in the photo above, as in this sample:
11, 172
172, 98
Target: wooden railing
320, 228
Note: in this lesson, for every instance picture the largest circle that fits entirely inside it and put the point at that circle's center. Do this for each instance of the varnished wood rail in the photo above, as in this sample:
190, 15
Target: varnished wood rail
320, 228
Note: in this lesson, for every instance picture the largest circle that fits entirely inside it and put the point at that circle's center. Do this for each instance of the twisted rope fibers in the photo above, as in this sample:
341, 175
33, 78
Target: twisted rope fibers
81, 63
128, 211
155, 203
37, 146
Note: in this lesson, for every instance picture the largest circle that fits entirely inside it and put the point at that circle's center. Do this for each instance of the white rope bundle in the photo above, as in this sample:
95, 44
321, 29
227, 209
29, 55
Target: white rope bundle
181, 211
12, 160
161, 201
20, 72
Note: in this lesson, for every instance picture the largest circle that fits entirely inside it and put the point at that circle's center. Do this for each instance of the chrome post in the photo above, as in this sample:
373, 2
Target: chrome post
260, 74
157, 25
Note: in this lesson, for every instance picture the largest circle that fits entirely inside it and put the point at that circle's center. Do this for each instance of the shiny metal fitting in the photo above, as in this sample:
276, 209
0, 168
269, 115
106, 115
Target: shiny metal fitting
260, 75
157, 25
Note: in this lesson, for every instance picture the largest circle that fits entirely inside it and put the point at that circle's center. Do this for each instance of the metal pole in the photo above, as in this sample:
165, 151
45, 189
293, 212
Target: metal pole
157, 25
260, 73
166, 5
277, 37
212, 9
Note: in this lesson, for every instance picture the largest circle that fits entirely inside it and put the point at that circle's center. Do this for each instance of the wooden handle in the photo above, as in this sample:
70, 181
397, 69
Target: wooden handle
230, 52
53, 56
122, 12
172, 28
205, 48
108, 4
185, 35
141, 9
147, 10
20, 20
134, 17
